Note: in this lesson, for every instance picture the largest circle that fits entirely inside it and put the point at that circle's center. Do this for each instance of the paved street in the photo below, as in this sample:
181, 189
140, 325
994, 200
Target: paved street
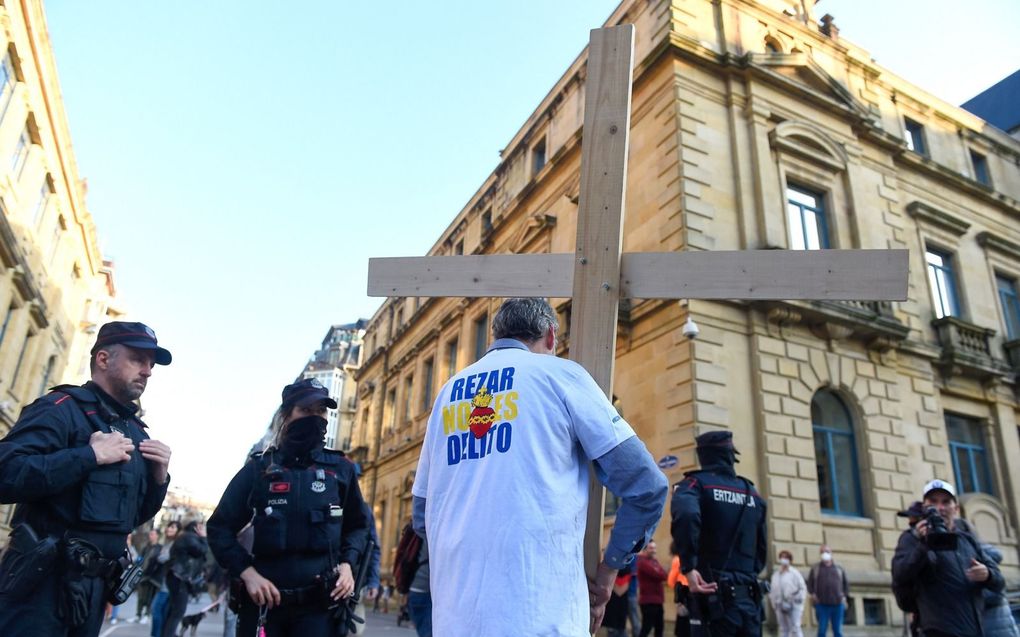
378, 624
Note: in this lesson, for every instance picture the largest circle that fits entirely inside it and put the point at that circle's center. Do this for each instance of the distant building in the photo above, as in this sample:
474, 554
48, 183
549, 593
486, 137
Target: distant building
55, 287
333, 365
999, 105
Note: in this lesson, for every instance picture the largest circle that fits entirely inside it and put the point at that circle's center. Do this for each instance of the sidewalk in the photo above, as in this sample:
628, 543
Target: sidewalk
376, 624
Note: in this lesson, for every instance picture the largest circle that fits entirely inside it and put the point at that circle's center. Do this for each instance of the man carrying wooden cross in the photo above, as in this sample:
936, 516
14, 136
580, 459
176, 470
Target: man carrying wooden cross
501, 489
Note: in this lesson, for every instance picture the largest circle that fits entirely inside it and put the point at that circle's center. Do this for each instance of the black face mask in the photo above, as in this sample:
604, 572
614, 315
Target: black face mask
301, 437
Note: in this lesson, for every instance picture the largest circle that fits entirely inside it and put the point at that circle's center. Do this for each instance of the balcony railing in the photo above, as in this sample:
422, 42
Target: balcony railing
967, 349
872, 322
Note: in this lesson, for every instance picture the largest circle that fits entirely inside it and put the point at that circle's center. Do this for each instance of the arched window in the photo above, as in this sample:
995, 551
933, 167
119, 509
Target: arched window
839, 486
772, 45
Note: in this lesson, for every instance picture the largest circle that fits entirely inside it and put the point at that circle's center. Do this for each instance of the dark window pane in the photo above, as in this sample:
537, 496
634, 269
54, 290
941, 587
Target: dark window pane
1010, 301
828, 411
964, 471
822, 466
971, 468
839, 489
845, 461
874, 612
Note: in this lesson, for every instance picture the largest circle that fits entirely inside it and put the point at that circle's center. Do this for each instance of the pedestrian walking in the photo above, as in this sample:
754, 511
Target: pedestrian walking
788, 592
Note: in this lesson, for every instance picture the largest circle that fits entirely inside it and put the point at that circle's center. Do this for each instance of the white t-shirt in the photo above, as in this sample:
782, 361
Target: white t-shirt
504, 472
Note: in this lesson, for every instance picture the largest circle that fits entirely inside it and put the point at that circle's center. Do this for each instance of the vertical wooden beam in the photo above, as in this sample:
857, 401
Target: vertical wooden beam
596, 298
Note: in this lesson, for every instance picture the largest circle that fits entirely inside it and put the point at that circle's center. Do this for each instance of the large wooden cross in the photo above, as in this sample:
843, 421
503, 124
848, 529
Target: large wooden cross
597, 275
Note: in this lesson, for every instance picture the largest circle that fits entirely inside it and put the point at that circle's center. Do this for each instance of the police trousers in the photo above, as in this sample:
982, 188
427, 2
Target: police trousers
741, 618
36, 614
295, 620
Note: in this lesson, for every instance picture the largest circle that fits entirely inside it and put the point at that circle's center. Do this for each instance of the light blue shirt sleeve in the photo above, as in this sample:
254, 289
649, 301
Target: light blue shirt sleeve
418, 515
630, 473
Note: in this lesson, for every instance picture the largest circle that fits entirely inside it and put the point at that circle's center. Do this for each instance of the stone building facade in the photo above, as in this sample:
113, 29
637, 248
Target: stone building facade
755, 125
55, 287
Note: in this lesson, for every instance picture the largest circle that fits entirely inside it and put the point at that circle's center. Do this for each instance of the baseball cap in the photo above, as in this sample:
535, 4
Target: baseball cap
939, 485
915, 510
136, 335
305, 392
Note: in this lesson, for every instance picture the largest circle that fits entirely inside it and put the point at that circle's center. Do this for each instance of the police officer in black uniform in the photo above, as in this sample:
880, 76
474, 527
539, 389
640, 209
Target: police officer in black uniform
310, 530
84, 473
719, 529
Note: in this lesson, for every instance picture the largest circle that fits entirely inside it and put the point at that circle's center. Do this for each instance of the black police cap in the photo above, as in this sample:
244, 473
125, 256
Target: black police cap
136, 335
716, 439
306, 392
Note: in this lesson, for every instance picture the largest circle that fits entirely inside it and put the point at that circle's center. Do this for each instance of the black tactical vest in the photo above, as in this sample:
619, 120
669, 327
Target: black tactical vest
112, 493
297, 510
731, 511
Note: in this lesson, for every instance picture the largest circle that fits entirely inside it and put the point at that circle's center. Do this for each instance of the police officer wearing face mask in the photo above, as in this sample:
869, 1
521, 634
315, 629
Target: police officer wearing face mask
307, 513
84, 473
719, 528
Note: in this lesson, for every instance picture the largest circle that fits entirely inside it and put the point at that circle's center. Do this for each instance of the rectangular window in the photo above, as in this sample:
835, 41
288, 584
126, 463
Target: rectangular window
42, 202
980, 163
459, 248
47, 373
7, 82
7, 322
874, 612
426, 392
21, 359
914, 135
20, 154
942, 281
970, 459
391, 406
408, 390
481, 335
805, 211
451, 358
538, 157
1009, 298
487, 221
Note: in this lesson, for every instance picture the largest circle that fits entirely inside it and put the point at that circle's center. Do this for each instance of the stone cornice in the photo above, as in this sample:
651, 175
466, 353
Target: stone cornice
964, 183
990, 241
932, 216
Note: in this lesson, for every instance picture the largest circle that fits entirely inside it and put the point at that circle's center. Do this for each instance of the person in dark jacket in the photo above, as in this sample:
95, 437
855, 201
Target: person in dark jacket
185, 575
997, 619
719, 530
84, 473
946, 585
309, 522
147, 588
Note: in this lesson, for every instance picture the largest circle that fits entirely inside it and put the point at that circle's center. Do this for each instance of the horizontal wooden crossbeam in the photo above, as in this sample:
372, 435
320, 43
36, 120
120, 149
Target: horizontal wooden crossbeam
872, 275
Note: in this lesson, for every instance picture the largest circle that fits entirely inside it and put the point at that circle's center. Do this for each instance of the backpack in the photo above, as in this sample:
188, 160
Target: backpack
406, 563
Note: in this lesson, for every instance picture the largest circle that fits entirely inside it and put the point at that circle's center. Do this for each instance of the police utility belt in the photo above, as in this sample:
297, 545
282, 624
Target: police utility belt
28, 560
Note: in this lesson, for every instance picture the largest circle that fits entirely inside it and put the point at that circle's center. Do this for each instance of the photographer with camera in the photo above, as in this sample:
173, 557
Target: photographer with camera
940, 571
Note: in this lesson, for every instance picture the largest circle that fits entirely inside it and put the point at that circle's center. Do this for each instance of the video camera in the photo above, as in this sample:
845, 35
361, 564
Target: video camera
939, 537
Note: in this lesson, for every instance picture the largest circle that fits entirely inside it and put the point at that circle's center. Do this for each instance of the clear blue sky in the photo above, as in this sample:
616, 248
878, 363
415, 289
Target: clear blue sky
245, 159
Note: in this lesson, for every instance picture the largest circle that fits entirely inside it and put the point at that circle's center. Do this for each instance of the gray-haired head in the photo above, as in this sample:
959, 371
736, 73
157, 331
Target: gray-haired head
524, 319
